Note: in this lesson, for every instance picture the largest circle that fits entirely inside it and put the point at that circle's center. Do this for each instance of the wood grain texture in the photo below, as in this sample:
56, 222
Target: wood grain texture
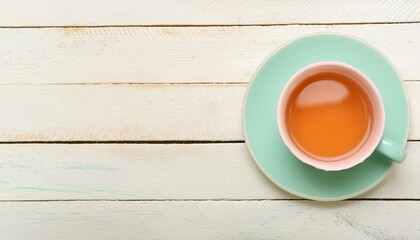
158, 171
174, 54
203, 12
120, 112
210, 220
133, 112
55, 85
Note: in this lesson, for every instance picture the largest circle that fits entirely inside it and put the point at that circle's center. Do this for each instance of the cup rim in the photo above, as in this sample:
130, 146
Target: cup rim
348, 161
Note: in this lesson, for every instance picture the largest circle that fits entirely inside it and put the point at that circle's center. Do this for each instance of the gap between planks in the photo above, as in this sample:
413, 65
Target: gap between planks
140, 142
146, 83
214, 25
245, 83
127, 142
213, 200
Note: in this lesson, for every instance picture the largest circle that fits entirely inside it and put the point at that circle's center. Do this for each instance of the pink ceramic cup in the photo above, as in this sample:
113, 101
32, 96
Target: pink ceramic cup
374, 140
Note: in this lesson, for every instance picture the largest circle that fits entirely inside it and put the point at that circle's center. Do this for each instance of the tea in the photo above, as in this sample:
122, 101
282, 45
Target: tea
329, 115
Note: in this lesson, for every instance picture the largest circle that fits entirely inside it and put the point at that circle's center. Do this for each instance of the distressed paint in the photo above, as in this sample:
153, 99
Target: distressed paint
133, 112
158, 171
376, 220
204, 12
174, 54
190, 184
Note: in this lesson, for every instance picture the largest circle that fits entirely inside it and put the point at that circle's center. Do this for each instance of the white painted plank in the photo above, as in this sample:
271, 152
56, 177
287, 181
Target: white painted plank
139, 112
210, 220
158, 171
120, 112
203, 12
174, 54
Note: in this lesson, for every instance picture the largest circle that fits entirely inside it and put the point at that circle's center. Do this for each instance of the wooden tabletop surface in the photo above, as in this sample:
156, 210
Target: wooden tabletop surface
122, 120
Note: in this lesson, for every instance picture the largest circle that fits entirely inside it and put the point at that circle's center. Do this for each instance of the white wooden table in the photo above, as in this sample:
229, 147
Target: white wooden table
122, 120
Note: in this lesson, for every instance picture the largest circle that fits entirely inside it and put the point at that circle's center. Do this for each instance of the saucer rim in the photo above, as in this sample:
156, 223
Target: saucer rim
371, 186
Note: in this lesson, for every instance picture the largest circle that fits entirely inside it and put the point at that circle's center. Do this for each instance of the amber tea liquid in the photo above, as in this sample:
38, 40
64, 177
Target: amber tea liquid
329, 115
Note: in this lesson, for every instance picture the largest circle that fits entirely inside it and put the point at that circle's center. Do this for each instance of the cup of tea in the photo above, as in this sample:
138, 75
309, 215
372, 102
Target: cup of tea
331, 116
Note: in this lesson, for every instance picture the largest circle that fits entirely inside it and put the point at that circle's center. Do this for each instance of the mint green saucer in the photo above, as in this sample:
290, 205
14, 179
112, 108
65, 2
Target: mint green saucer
260, 127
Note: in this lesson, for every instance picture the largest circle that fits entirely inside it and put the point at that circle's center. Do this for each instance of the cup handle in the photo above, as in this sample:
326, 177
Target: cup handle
392, 150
